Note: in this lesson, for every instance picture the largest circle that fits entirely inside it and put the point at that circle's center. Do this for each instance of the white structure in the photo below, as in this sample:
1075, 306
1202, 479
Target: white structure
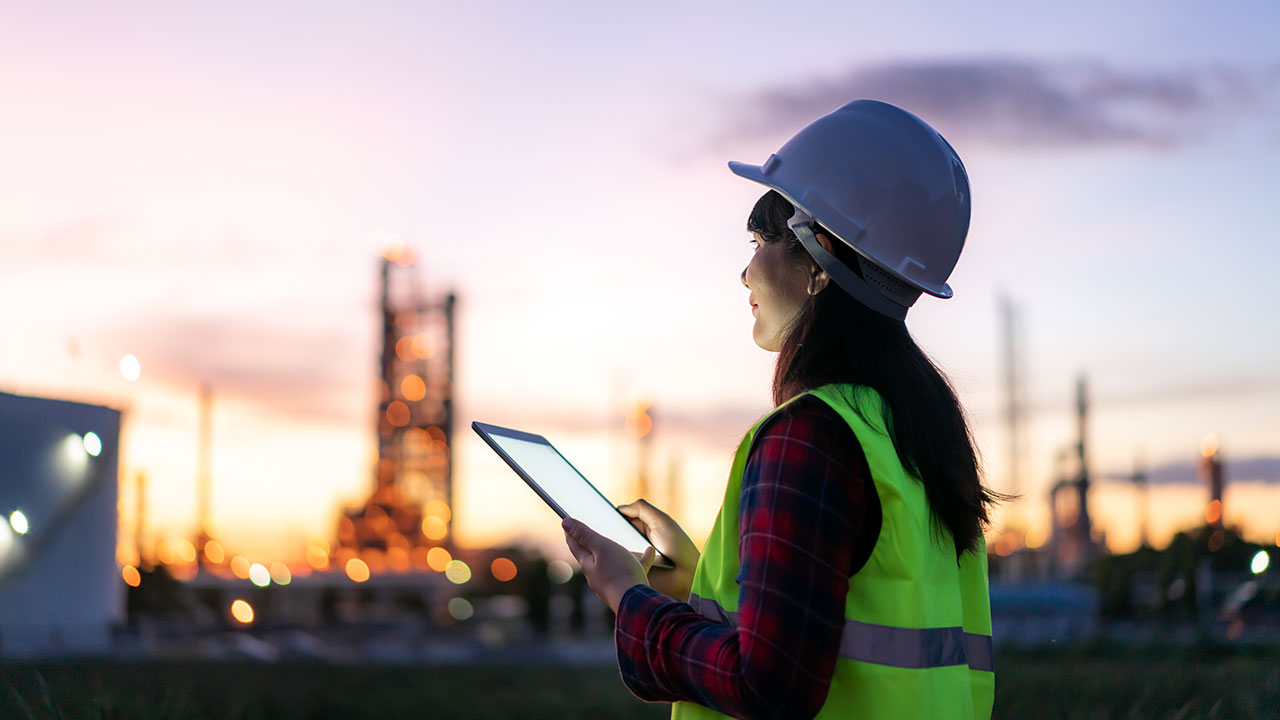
60, 588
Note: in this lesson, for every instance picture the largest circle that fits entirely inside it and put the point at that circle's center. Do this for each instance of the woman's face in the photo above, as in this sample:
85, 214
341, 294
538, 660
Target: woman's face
779, 288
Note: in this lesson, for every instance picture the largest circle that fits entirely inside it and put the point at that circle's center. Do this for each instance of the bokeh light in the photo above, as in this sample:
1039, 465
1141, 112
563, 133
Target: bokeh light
74, 456
1209, 446
357, 570
1260, 562
434, 527
398, 559
317, 557
131, 576
460, 609
240, 567
423, 346
412, 388
438, 559
559, 571
404, 349
92, 444
502, 569
440, 509
458, 572
280, 574
1213, 513
6, 540
375, 559
259, 575
214, 552
398, 414
166, 553
186, 551
130, 368
18, 521
242, 612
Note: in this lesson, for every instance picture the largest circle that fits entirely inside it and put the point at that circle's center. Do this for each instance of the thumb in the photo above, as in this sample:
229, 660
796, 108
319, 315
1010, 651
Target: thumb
646, 560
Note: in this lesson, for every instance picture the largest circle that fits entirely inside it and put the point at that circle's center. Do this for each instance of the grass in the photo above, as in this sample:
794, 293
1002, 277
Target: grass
1094, 684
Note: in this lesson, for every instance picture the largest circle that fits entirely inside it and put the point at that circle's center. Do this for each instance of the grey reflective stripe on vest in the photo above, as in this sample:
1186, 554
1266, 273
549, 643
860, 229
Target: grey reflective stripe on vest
888, 645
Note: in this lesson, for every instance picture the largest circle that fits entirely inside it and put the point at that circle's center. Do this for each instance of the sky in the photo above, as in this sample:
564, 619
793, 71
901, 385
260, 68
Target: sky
210, 188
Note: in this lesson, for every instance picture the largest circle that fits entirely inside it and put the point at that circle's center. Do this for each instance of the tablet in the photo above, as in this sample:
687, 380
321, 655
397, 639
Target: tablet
562, 487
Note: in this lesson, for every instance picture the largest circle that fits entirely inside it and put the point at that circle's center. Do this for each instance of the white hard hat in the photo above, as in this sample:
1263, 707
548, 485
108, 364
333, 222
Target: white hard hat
887, 185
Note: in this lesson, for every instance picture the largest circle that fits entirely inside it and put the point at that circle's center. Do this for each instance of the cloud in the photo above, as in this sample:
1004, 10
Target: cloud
1256, 470
1013, 102
313, 374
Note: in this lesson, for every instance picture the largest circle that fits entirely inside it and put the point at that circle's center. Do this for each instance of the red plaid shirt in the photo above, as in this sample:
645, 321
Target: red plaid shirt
808, 519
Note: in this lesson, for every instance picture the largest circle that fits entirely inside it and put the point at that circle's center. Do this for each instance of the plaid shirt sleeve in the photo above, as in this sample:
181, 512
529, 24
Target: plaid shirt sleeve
808, 518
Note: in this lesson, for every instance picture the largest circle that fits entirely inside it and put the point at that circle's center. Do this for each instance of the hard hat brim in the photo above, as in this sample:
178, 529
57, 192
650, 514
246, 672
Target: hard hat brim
758, 174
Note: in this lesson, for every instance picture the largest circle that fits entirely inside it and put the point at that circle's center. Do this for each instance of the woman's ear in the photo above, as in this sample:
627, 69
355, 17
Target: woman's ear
818, 279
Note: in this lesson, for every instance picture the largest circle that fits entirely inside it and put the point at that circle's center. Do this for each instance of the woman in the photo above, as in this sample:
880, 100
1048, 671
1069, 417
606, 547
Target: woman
845, 575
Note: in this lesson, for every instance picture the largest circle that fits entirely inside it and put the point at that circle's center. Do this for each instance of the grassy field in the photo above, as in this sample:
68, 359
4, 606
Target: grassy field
1072, 684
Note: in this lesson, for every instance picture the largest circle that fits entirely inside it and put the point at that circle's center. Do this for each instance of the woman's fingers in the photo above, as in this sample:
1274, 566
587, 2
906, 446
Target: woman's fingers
574, 538
642, 509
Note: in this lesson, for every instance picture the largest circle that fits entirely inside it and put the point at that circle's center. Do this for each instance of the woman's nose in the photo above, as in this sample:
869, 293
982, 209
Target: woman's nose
743, 277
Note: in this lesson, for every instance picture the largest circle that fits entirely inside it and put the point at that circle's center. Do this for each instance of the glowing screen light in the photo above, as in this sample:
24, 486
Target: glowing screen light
19, 523
1260, 562
242, 612
130, 368
92, 444
259, 575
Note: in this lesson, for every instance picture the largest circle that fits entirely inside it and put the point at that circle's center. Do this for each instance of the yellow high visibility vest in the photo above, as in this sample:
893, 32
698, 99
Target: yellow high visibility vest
917, 636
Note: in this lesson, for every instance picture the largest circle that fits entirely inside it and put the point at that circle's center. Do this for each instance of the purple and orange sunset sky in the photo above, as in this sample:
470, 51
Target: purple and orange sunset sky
210, 187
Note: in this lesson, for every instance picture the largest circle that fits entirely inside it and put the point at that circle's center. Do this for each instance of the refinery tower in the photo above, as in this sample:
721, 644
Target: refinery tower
409, 511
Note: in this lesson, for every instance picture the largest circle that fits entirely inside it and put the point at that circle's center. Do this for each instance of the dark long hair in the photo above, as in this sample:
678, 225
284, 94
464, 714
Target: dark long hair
836, 339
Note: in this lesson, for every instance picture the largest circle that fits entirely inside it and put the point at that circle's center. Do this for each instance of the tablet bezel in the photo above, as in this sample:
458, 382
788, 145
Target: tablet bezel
484, 430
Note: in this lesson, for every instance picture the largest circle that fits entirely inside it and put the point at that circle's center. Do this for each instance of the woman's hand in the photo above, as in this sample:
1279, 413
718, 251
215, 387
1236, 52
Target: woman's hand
611, 570
672, 542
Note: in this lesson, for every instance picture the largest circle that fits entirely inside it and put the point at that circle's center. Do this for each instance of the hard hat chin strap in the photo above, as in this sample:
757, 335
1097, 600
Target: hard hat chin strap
848, 280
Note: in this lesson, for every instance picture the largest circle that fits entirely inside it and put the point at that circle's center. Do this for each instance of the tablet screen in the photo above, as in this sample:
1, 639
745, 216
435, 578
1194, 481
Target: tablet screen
565, 486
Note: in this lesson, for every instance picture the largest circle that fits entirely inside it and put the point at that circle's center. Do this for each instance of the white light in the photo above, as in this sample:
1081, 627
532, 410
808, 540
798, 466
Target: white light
19, 523
74, 455
92, 444
130, 368
1260, 562
559, 571
460, 609
259, 575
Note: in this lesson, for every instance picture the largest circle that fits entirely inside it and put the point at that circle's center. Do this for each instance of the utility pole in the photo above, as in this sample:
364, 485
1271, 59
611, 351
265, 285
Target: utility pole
204, 475
640, 427
1013, 407
1211, 475
1084, 526
1144, 512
